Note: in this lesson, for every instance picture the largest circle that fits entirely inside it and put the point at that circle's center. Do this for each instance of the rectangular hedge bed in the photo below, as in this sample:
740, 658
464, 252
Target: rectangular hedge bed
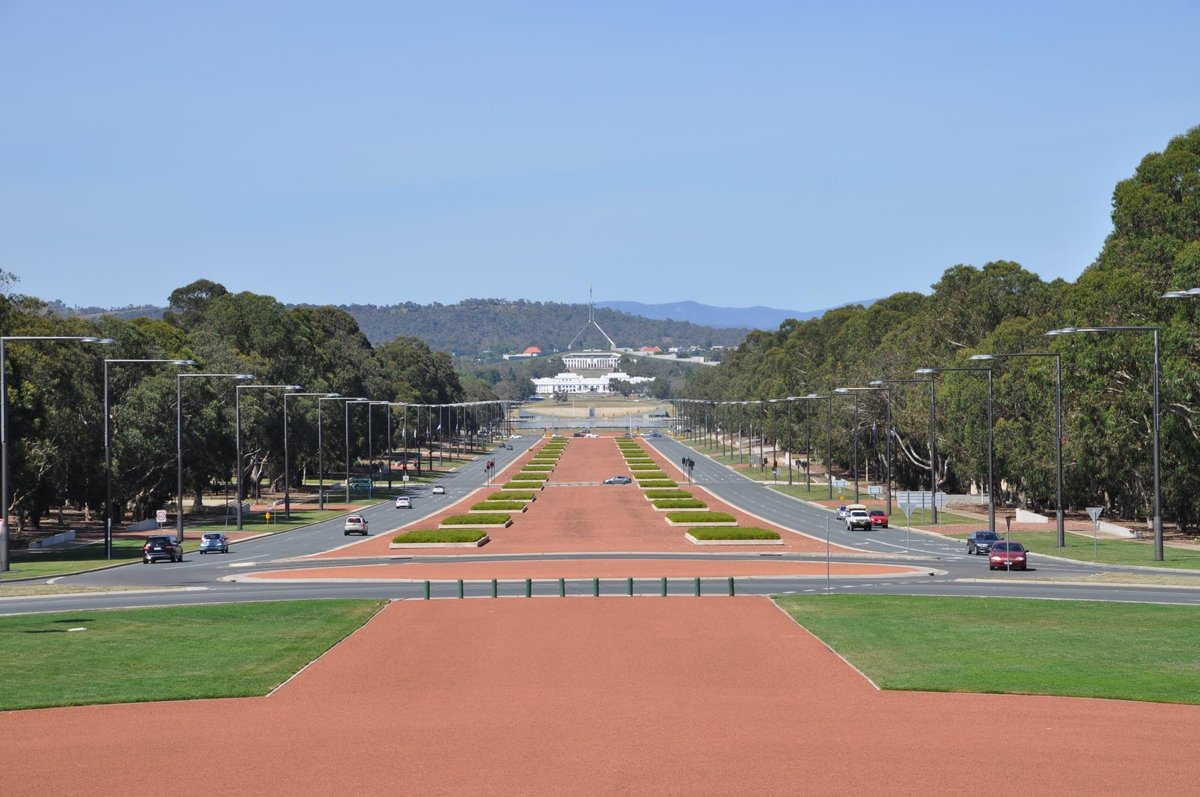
530, 476
701, 519
441, 538
733, 536
538, 468
499, 506
659, 495
664, 504
496, 520
656, 483
522, 484
513, 495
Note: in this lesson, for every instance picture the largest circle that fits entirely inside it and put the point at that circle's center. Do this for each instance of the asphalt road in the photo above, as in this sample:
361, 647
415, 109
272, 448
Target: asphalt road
198, 579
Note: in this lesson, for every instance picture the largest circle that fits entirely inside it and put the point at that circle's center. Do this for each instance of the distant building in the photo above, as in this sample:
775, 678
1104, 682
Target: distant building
532, 351
592, 361
651, 350
573, 383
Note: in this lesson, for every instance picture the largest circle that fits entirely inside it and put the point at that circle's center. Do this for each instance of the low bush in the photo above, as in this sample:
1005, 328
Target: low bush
734, 533
530, 476
426, 536
513, 495
477, 520
651, 475
680, 503
499, 506
700, 517
537, 467
640, 466
658, 495
522, 484
656, 483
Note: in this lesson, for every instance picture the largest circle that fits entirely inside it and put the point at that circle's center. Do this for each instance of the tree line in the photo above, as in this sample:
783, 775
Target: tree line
1001, 308
55, 396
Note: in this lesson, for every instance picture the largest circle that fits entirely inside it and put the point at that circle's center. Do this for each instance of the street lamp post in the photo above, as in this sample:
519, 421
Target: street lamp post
287, 474
179, 438
108, 521
828, 397
991, 488
1059, 515
346, 413
854, 439
1157, 522
4, 425
888, 448
237, 471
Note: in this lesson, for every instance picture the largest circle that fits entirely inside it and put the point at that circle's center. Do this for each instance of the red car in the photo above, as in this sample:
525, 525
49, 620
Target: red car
879, 520
1007, 555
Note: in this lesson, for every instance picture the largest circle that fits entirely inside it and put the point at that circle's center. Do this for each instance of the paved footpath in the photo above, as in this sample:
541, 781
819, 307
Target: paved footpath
582, 696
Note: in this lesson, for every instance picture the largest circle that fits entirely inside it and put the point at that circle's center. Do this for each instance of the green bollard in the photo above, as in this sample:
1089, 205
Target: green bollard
731, 590
697, 586
562, 588
529, 588
460, 588
631, 586
664, 586
495, 589
426, 589
595, 588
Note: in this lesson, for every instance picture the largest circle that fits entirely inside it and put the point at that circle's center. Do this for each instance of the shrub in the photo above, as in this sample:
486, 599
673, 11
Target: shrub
538, 468
480, 520
734, 533
679, 503
512, 495
700, 517
439, 535
636, 466
658, 495
656, 483
522, 484
658, 475
530, 476
499, 506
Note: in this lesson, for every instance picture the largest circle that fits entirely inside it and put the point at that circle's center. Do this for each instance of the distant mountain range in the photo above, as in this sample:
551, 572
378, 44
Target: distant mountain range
723, 317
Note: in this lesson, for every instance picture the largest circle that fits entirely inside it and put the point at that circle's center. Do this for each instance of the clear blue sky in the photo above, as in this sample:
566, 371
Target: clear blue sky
791, 154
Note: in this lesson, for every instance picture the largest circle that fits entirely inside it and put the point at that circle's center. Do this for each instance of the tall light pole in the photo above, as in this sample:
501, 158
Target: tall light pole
179, 437
4, 425
1158, 539
888, 422
321, 450
287, 473
237, 471
1059, 516
828, 397
854, 438
108, 531
991, 488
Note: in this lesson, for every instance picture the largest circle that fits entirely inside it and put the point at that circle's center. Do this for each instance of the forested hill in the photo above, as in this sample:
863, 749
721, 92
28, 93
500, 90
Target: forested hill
502, 326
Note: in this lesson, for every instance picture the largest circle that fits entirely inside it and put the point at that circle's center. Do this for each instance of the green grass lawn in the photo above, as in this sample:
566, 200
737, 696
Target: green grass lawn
257, 521
1122, 651
181, 653
1112, 552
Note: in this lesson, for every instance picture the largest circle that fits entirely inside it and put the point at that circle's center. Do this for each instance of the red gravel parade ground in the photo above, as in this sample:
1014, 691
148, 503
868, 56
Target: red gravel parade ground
648, 695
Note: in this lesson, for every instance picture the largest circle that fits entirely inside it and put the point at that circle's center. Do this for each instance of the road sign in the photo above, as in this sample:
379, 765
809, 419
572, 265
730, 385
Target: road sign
907, 509
874, 489
406, 477
160, 516
1094, 512
268, 517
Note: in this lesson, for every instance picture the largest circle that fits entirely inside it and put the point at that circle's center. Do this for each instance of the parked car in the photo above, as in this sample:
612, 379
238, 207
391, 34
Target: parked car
858, 519
879, 518
403, 502
841, 513
437, 489
214, 541
618, 480
1007, 555
355, 524
981, 541
161, 548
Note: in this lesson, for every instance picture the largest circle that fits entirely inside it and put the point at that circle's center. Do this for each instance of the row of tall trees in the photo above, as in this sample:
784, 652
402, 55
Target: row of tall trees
1002, 308
55, 396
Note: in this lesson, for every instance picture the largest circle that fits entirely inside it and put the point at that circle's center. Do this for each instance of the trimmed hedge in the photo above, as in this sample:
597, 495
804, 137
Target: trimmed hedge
480, 520
512, 495
680, 503
656, 483
499, 506
734, 533
418, 536
643, 466
530, 476
538, 467
659, 495
700, 517
522, 484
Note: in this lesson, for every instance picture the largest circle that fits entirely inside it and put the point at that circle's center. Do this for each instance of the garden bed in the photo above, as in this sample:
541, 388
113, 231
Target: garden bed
498, 506
672, 504
732, 536
495, 520
701, 519
441, 538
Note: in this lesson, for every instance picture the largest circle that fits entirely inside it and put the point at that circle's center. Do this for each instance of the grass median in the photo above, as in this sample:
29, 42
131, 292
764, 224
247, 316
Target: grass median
137, 655
1123, 651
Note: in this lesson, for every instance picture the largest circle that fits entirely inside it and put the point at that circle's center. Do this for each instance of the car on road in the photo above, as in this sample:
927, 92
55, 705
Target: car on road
981, 541
653, 434
161, 548
879, 518
618, 480
858, 519
355, 524
403, 502
1008, 555
508, 447
214, 541
841, 513
437, 489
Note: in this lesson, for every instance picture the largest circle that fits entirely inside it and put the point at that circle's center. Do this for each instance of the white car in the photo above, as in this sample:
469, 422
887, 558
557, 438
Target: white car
858, 519
403, 502
437, 489
355, 524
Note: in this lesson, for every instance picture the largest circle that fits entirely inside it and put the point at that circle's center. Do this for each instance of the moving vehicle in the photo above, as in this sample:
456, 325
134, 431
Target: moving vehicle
437, 489
981, 541
161, 548
841, 513
618, 480
879, 518
214, 541
1007, 555
858, 519
403, 502
355, 524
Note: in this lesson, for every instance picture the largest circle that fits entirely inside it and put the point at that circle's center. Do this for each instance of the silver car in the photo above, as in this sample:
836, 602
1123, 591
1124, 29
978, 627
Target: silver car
213, 542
